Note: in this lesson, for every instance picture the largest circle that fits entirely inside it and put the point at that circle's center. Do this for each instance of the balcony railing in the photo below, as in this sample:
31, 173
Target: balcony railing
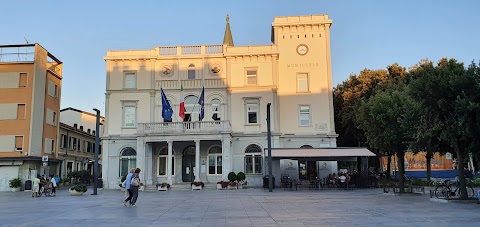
175, 84
184, 127
17, 53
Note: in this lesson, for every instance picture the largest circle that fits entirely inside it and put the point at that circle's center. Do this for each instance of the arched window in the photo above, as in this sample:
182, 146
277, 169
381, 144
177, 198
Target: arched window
216, 109
191, 72
253, 159
162, 162
215, 160
306, 147
128, 160
192, 108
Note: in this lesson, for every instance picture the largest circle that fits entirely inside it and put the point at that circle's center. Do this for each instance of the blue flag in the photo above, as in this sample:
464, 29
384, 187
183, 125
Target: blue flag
201, 102
166, 108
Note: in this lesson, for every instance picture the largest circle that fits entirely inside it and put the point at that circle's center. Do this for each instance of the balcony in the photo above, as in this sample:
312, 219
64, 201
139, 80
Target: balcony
197, 127
17, 53
187, 84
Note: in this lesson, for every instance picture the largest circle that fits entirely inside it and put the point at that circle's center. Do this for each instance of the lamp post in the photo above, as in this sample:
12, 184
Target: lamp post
97, 148
269, 140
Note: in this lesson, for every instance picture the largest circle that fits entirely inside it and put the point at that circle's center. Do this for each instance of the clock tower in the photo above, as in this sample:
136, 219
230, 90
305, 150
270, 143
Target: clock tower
305, 75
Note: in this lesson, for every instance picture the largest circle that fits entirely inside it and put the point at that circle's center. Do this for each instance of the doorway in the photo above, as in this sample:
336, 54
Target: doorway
188, 164
312, 170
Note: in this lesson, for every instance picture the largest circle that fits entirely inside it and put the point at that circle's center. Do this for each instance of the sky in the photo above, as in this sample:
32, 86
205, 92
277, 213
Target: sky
365, 34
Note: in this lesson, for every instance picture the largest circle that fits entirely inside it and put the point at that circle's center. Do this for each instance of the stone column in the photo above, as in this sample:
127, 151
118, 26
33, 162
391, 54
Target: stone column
149, 164
226, 158
169, 162
197, 160
141, 157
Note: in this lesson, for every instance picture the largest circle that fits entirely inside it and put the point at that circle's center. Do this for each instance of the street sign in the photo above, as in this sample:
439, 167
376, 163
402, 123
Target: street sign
45, 158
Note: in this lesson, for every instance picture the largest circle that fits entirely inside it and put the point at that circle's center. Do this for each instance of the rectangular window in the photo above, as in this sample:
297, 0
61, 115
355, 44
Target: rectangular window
74, 143
78, 166
129, 116
70, 142
63, 141
191, 74
253, 164
52, 147
162, 165
18, 143
69, 167
252, 113
302, 82
215, 164
54, 118
85, 145
21, 111
78, 144
251, 77
304, 115
130, 80
23, 80
52, 89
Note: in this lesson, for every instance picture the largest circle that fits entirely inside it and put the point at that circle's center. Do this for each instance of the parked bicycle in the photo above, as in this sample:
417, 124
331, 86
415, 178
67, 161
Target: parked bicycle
448, 189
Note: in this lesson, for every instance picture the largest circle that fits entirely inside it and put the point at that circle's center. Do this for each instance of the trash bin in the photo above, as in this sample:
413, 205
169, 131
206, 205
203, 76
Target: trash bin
28, 185
99, 183
265, 182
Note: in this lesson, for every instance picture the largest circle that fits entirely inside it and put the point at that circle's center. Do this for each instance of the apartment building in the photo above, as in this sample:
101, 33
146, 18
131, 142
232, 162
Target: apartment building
77, 141
30, 91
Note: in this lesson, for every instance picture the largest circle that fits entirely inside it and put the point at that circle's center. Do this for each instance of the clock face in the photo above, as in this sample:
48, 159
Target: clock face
302, 49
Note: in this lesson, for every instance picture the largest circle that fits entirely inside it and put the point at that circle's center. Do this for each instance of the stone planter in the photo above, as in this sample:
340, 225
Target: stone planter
74, 193
232, 187
15, 189
240, 186
162, 189
219, 187
196, 187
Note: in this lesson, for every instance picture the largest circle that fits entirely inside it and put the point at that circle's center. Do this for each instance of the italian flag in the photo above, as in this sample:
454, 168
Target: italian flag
182, 103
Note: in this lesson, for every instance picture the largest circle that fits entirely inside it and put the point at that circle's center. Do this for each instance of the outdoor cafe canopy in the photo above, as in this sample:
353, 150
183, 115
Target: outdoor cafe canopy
320, 154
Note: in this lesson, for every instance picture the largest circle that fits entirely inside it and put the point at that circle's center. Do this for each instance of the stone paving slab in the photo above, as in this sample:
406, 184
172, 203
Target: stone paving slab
248, 207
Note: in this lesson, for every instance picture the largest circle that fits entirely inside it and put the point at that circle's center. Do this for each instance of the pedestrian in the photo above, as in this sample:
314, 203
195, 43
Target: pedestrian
36, 186
54, 186
40, 186
134, 185
128, 187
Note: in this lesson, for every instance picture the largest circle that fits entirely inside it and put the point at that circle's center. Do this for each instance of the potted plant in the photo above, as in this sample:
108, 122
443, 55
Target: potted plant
15, 184
241, 180
163, 186
197, 185
232, 177
222, 185
77, 189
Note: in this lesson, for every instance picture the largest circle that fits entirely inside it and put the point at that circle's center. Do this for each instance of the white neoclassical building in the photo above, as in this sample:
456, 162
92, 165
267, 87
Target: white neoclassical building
293, 74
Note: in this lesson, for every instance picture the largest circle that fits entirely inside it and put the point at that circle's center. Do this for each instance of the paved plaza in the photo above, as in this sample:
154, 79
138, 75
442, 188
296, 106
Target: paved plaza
248, 207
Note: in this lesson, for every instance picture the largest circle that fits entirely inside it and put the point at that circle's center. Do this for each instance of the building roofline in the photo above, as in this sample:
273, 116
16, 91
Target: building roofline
81, 111
77, 130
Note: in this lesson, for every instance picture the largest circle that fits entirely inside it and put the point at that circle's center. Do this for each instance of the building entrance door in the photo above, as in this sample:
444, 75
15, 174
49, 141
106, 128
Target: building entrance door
312, 170
188, 164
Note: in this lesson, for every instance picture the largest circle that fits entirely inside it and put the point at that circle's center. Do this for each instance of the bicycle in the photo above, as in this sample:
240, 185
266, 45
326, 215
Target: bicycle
445, 190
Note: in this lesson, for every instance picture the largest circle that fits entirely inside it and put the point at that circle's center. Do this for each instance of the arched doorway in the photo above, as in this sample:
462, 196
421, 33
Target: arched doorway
188, 164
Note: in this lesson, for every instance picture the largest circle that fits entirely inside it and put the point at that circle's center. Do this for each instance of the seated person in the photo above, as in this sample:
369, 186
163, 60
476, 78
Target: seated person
342, 179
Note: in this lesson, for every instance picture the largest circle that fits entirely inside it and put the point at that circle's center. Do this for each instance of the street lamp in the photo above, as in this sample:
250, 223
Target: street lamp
97, 148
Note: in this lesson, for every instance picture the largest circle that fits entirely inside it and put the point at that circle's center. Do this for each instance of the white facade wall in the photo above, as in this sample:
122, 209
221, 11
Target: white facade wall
276, 65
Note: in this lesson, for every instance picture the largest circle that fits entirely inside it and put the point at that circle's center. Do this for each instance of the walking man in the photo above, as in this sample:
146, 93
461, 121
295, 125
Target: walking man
128, 180
135, 184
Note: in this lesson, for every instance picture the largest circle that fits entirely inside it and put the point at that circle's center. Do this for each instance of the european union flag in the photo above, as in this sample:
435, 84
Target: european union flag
166, 108
201, 102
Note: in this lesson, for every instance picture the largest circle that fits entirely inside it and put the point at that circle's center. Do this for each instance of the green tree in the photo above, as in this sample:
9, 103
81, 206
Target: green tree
450, 97
387, 119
